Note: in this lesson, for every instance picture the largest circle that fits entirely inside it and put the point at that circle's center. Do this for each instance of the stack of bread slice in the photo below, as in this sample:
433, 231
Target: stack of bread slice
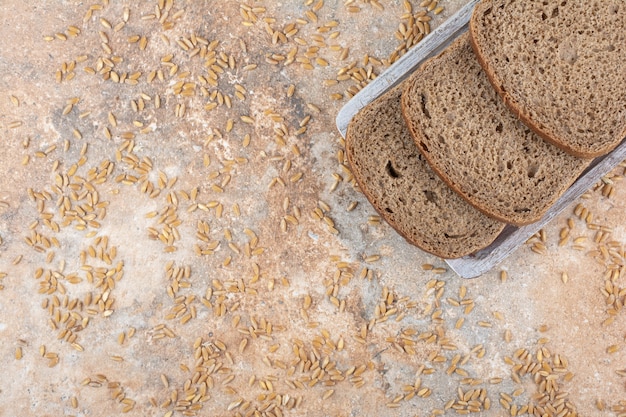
494, 129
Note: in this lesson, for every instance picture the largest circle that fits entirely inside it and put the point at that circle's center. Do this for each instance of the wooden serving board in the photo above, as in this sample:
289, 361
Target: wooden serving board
512, 237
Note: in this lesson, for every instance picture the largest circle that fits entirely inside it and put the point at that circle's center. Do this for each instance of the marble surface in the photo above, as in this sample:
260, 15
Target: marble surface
155, 261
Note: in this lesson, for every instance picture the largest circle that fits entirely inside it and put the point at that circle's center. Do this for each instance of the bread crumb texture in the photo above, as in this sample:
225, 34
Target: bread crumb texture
560, 65
400, 184
477, 145
181, 235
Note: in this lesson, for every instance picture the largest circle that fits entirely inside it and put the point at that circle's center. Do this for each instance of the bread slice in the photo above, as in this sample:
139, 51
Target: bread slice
560, 65
405, 191
472, 140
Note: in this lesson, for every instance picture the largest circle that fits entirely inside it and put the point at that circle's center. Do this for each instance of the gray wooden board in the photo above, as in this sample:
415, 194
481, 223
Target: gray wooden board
511, 238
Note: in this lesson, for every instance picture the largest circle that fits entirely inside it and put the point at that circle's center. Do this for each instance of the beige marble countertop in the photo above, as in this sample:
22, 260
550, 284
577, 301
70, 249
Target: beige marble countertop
179, 234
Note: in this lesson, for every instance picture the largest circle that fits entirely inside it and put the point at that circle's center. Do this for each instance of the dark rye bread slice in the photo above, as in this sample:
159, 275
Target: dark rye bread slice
560, 65
405, 191
472, 140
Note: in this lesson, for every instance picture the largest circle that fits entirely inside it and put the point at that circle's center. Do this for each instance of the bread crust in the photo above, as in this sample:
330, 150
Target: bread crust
516, 108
